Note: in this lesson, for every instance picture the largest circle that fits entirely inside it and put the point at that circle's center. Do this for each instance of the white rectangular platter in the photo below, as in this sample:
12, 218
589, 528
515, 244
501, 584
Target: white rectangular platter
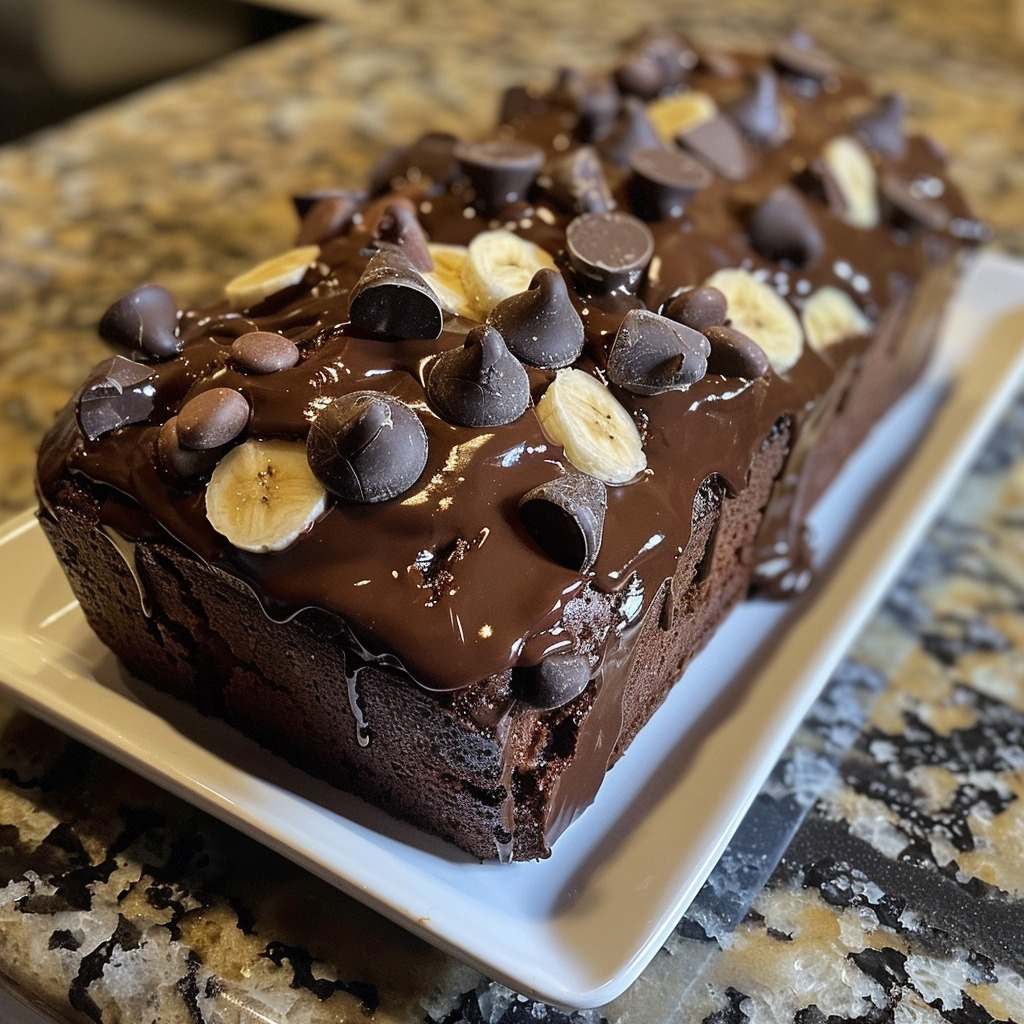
577, 929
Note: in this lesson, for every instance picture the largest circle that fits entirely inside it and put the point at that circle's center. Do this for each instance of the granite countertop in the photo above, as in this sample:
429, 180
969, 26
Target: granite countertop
879, 875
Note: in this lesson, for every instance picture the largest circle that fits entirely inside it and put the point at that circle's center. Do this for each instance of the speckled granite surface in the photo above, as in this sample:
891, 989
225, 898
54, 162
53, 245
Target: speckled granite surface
879, 877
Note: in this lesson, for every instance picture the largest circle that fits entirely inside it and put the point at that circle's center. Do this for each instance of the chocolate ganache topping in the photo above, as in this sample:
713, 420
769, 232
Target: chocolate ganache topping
624, 214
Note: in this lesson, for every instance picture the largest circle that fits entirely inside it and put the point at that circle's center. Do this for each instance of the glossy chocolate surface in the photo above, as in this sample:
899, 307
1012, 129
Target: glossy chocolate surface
502, 597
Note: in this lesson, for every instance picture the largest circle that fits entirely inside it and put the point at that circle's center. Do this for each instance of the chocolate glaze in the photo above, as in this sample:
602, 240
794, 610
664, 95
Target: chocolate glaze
444, 580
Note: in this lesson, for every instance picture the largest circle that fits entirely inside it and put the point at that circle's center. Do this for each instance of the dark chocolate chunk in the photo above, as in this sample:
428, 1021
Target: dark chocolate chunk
143, 321
699, 308
541, 325
882, 128
392, 301
481, 384
652, 354
733, 354
264, 352
429, 163
500, 171
367, 447
183, 463
759, 113
609, 250
212, 418
594, 100
565, 516
781, 227
577, 180
663, 180
326, 217
553, 682
631, 130
909, 205
720, 145
799, 55
119, 392
393, 221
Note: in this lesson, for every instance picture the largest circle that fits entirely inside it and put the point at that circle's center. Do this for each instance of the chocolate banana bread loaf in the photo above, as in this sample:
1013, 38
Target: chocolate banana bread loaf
439, 503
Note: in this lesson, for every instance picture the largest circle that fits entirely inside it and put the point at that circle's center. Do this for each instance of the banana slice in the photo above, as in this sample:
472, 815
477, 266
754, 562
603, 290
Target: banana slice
830, 316
758, 311
500, 264
673, 115
853, 173
275, 274
599, 437
446, 279
262, 495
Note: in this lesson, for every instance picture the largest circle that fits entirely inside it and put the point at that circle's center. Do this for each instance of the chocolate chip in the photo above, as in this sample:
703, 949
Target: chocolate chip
664, 180
392, 301
609, 250
553, 682
325, 218
183, 463
565, 516
577, 180
212, 418
393, 220
429, 162
481, 384
910, 206
118, 392
698, 308
541, 325
781, 227
666, 51
799, 55
367, 447
733, 354
641, 75
652, 354
882, 128
719, 144
759, 113
631, 130
144, 321
264, 352
500, 171
594, 100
